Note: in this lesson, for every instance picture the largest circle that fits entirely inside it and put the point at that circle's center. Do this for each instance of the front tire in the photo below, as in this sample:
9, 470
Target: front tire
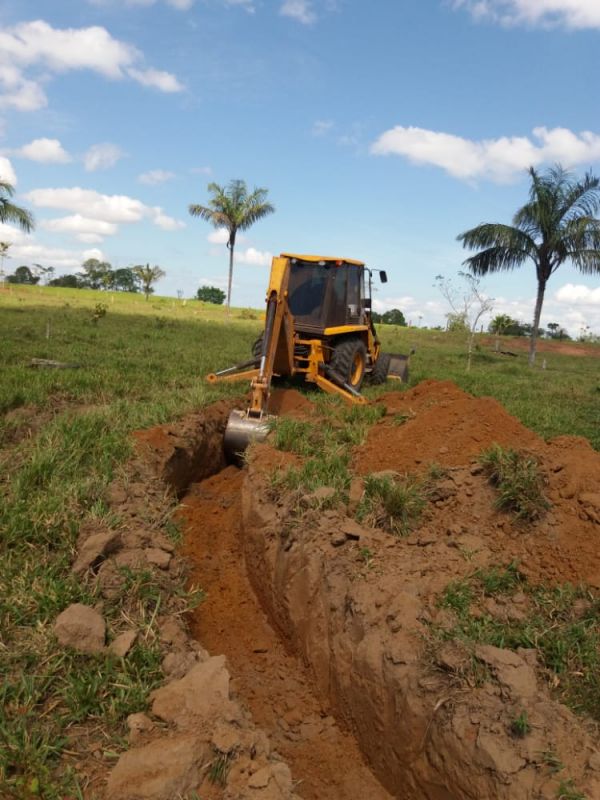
349, 361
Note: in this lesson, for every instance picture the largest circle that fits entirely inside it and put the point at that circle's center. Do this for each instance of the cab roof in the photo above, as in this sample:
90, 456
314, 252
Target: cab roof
316, 259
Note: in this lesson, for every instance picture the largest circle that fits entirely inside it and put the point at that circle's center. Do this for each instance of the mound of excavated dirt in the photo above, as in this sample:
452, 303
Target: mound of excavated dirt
436, 422
290, 403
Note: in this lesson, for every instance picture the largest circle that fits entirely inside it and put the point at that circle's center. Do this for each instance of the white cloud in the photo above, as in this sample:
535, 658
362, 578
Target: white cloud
102, 156
7, 173
201, 170
156, 79
499, 160
577, 293
155, 177
89, 203
45, 151
300, 10
84, 228
574, 14
17, 92
253, 257
38, 46
321, 127
218, 236
162, 220
25, 250
93, 206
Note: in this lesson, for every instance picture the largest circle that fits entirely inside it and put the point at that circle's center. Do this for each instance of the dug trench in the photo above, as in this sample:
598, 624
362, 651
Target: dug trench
340, 638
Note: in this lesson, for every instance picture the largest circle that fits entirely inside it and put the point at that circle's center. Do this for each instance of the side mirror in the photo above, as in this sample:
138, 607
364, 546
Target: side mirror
367, 302
383, 276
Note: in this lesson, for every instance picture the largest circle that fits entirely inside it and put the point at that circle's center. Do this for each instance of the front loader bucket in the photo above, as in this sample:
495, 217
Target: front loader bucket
398, 370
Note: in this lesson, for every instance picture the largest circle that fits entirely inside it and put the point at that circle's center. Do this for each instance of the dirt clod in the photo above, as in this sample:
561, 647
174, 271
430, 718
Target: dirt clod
82, 628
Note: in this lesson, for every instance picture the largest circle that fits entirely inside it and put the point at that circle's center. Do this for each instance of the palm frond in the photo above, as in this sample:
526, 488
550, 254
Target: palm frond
7, 188
582, 198
496, 235
256, 212
9, 212
587, 261
496, 259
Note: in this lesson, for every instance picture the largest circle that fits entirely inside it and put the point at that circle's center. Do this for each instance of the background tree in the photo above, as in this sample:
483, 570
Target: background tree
211, 294
393, 317
500, 323
125, 280
232, 208
148, 276
468, 304
23, 275
96, 274
557, 224
9, 212
66, 282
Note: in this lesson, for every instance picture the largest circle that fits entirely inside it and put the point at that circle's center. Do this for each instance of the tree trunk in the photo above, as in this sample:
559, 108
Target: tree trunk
231, 246
536, 319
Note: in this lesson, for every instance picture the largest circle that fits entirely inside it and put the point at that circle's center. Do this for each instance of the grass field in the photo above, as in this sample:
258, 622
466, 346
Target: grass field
139, 363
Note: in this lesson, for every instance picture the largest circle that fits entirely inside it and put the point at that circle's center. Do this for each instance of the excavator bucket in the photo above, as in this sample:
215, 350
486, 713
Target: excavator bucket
398, 367
242, 430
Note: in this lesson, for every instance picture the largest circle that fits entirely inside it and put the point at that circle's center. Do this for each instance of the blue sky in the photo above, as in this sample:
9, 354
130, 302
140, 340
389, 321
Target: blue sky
381, 130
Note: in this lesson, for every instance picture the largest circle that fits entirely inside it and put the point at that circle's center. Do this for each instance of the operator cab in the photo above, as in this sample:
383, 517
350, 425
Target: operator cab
326, 293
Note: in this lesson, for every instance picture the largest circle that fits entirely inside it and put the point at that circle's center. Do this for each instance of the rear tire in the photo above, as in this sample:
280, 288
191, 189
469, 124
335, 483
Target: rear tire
349, 361
380, 371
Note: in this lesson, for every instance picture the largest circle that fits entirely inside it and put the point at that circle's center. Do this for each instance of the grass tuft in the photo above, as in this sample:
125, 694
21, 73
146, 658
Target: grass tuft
518, 481
520, 726
394, 505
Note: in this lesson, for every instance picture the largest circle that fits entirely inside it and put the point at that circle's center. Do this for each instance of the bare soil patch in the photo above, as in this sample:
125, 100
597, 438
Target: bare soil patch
326, 623
521, 344
325, 760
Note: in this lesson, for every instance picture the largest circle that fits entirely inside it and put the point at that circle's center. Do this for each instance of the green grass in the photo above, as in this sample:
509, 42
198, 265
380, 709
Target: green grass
140, 364
393, 504
567, 791
562, 623
325, 446
520, 725
63, 435
518, 482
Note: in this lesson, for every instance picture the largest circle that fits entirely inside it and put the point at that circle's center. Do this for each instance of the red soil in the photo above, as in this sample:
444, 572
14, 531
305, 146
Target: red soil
290, 403
273, 683
449, 427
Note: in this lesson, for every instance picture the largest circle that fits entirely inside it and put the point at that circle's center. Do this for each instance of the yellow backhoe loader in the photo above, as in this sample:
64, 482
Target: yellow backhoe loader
318, 324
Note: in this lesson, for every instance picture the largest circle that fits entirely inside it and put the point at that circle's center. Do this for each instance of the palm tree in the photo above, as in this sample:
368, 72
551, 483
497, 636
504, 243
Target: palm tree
4, 248
9, 212
232, 208
148, 275
557, 224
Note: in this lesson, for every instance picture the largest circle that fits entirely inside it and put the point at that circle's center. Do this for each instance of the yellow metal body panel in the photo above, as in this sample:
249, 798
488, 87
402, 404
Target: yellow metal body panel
235, 376
332, 388
316, 259
341, 329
